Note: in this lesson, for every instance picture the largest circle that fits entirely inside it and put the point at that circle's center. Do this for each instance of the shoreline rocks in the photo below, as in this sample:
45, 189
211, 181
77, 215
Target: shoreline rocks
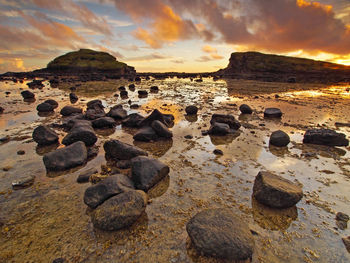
279, 139
43, 135
325, 137
116, 149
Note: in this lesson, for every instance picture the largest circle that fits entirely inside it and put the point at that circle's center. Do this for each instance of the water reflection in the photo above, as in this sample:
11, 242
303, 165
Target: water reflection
271, 218
46, 114
279, 151
158, 148
41, 150
29, 101
222, 140
105, 132
160, 188
191, 118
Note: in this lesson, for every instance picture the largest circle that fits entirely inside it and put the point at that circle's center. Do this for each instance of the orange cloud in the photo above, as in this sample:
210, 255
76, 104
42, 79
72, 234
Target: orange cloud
209, 49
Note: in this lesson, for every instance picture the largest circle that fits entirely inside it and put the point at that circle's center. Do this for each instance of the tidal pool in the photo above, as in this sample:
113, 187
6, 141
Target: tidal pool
49, 219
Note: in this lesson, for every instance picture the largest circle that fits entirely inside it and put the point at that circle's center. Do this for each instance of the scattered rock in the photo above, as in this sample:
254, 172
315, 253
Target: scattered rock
95, 111
272, 113
93, 151
122, 151
66, 158
53, 103
117, 112
104, 122
147, 172
219, 129
191, 110
21, 152
96, 194
59, 260
155, 115
133, 120
43, 135
119, 211
145, 134
188, 137
81, 131
73, 97
342, 216
227, 119
325, 137
279, 138
23, 182
69, 110
92, 103
154, 89
142, 92
346, 241
275, 191
161, 129
45, 107
218, 152
84, 176
26, 94
1, 110
221, 234
245, 109
124, 94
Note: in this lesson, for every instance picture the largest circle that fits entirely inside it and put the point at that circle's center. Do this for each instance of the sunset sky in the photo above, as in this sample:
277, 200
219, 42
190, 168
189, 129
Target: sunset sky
172, 35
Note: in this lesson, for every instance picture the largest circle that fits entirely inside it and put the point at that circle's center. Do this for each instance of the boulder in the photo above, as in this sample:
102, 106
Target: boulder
81, 131
96, 194
104, 122
95, 112
84, 176
66, 158
145, 134
154, 89
245, 109
117, 112
43, 135
325, 137
155, 115
219, 233
272, 113
73, 97
69, 110
191, 110
142, 92
147, 172
275, 191
92, 103
124, 93
227, 119
26, 94
45, 107
52, 102
220, 129
279, 138
119, 211
133, 120
161, 129
122, 151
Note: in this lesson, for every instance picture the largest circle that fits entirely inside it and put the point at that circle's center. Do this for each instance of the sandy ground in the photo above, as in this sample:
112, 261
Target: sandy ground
49, 219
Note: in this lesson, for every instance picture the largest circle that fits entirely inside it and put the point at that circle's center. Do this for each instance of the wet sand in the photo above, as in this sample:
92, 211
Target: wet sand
49, 220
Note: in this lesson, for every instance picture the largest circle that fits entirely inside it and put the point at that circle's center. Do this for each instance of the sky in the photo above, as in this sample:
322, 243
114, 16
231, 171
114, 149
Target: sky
172, 35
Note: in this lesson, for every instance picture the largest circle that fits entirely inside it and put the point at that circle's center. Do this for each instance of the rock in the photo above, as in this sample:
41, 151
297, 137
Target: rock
122, 151
191, 110
154, 89
346, 241
147, 172
245, 109
21, 152
1, 110
219, 129
121, 88
23, 182
119, 211
84, 176
134, 106
221, 234
137, 79
218, 152
155, 115
275, 191
188, 137
52, 102
66, 158
73, 97
69, 110
104, 122
44, 107
272, 113
124, 94
161, 129
94, 112
124, 164
96, 194
81, 131
43, 135
325, 137
142, 92
92, 103
169, 119
117, 112
227, 119
59, 260
93, 151
133, 120
132, 87
26, 94
342, 217
279, 138
145, 134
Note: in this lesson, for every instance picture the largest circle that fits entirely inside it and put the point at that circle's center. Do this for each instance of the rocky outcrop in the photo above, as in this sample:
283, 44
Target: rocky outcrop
115, 149
43, 135
325, 137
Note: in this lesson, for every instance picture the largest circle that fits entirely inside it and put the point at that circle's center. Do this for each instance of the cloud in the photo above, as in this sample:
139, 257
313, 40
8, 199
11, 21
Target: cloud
178, 61
209, 49
12, 64
151, 57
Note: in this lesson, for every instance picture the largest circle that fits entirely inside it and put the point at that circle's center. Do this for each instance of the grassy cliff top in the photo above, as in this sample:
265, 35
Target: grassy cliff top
86, 58
255, 61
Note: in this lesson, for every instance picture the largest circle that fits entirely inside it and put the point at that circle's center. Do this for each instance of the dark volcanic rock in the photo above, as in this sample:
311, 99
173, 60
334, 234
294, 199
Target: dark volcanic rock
245, 109
52, 102
118, 150
96, 194
155, 115
66, 158
124, 94
220, 129
43, 135
1, 110
45, 107
279, 138
73, 97
221, 234
92, 103
227, 119
161, 129
191, 110
154, 89
147, 172
133, 120
117, 112
84, 176
272, 113
142, 92
145, 134
69, 110
95, 112
26, 94
325, 137
119, 211
104, 122
81, 131
275, 191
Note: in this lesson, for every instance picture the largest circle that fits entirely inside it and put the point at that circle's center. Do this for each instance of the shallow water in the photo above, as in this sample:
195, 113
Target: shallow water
49, 219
